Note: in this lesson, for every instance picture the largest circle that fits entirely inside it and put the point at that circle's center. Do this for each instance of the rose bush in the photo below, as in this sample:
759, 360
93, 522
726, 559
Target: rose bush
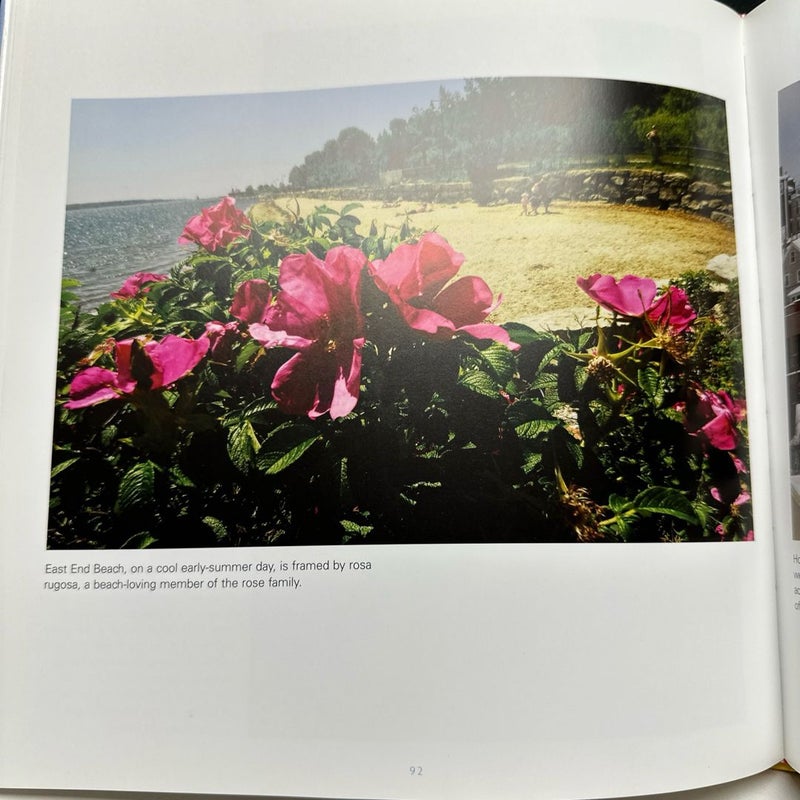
295, 382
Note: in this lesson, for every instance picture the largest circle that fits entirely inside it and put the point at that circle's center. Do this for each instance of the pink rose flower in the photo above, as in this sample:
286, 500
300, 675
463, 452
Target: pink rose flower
317, 312
672, 311
216, 227
636, 297
221, 337
742, 498
724, 415
715, 416
136, 284
142, 363
414, 277
251, 301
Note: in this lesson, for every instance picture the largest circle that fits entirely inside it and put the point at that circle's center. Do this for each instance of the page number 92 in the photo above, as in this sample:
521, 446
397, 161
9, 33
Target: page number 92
415, 770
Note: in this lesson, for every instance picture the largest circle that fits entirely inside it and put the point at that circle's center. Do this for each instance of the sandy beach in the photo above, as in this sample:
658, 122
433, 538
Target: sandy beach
534, 260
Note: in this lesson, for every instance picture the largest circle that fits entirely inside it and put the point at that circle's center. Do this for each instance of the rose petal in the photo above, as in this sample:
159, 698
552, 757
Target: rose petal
91, 386
672, 310
173, 357
251, 300
630, 296
466, 301
487, 331
418, 270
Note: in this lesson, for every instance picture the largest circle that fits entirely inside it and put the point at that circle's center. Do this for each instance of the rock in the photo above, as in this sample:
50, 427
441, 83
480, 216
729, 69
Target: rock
724, 267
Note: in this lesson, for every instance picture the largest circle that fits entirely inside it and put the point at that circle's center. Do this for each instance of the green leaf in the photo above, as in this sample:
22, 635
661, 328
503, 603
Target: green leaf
246, 353
217, 527
662, 500
348, 222
530, 419
139, 541
137, 487
351, 207
544, 381
479, 382
285, 445
179, 478
501, 361
252, 411
355, 529
535, 428
243, 445
522, 334
651, 383
617, 504
532, 461
59, 468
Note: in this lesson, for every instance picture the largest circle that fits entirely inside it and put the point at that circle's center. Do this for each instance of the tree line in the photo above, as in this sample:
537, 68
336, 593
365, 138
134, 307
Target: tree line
537, 123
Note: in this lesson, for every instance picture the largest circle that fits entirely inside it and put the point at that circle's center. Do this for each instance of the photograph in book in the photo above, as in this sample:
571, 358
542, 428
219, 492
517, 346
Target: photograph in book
789, 151
479, 310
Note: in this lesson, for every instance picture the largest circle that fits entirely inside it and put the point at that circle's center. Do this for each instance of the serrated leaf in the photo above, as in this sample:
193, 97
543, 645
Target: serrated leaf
354, 527
616, 503
479, 382
526, 410
652, 385
523, 334
351, 207
250, 348
179, 478
243, 445
544, 381
217, 527
285, 445
551, 355
662, 500
501, 362
59, 468
535, 428
348, 222
139, 541
137, 487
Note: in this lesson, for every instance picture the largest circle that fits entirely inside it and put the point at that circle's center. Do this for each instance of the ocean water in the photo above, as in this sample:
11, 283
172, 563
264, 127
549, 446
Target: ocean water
103, 245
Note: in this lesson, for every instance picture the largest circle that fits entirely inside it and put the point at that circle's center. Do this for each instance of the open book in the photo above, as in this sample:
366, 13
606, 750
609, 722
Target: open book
398, 402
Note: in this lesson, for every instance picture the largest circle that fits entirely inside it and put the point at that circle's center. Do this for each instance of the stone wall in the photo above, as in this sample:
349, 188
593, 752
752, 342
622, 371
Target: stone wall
637, 187
648, 188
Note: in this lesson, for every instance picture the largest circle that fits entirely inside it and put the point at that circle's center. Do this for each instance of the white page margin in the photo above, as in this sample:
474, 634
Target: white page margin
771, 34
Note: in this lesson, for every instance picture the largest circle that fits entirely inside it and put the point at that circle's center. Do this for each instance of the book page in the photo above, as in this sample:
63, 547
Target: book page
477, 650
774, 102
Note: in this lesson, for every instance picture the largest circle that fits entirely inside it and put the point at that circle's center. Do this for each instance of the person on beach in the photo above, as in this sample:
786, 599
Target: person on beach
654, 139
525, 203
540, 196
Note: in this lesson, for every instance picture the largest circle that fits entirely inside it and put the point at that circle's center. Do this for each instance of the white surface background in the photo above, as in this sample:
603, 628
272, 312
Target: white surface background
771, 43
516, 671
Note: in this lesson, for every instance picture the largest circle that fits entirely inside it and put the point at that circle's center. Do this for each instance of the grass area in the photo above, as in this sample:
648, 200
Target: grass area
534, 261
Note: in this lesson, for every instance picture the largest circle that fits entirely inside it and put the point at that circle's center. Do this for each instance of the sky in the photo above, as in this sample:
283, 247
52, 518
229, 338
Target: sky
124, 149
789, 129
